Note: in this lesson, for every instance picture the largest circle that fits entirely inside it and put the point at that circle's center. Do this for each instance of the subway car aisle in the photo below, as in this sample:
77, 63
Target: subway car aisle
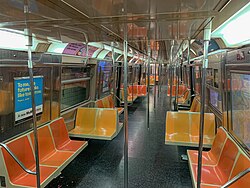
151, 162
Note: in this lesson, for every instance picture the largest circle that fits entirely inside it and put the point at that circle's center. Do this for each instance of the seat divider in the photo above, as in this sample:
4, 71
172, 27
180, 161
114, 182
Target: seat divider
235, 161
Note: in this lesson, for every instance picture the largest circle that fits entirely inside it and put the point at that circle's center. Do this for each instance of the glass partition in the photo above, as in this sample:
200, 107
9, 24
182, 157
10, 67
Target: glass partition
215, 99
240, 106
197, 79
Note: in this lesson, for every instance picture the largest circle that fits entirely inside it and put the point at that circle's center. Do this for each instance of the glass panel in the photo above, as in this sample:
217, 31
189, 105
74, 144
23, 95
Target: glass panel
215, 99
209, 76
74, 90
240, 95
216, 78
74, 93
197, 76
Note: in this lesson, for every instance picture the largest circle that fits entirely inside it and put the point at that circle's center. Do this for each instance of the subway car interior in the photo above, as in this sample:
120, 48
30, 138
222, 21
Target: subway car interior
124, 93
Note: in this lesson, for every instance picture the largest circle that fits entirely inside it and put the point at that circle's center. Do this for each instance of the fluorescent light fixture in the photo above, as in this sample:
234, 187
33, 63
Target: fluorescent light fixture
235, 31
57, 47
15, 40
193, 51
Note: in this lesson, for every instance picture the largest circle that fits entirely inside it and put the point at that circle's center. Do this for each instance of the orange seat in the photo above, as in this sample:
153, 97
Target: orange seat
184, 99
97, 123
130, 98
218, 174
23, 151
111, 101
196, 105
47, 152
182, 128
105, 123
61, 137
99, 104
211, 157
108, 102
85, 121
242, 164
142, 90
181, 90
222, 163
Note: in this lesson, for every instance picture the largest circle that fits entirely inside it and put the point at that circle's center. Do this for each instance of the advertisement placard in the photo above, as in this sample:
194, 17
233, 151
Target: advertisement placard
22, 97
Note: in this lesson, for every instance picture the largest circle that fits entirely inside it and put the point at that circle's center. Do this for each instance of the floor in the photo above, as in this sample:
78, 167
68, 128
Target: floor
151, 162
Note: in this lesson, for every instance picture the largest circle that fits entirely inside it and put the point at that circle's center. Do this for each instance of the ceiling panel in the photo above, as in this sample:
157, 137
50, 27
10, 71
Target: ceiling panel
103, 20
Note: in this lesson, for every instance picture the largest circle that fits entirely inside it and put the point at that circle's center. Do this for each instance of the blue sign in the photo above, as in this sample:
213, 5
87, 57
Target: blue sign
22, 95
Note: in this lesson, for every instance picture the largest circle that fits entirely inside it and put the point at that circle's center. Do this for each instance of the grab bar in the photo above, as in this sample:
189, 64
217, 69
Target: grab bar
16, 159
236, 178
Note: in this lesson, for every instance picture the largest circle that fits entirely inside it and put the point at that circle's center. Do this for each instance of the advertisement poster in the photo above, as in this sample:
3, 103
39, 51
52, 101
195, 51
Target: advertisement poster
22, 97
79, 49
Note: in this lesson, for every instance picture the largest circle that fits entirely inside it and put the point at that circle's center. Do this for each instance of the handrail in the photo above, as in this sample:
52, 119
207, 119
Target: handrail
17, 160
116, 97
236, 178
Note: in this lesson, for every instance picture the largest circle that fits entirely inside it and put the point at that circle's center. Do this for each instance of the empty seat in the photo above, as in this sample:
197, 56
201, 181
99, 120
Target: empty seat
48, 154
196, 105
131, 98
181, 90
141, 90
218, 174
106, 123
61, 137
97, 123
183, 99
99, 104
108, 102
85, 122
17, 176
182, 128
242, 164
210, 157
222, 163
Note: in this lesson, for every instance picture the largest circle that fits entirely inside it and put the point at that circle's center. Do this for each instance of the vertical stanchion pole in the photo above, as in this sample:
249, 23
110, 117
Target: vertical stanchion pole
28, 33
207, 36
30, 67
148, 84
177, 84
125, 54
159, 79
114, 72
155, 86
171, 73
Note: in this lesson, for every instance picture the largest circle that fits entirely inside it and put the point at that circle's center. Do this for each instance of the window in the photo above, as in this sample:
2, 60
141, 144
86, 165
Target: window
240, 105
75, 86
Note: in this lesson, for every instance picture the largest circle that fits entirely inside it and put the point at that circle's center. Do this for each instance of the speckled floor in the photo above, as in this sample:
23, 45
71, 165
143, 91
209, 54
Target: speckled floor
151, 162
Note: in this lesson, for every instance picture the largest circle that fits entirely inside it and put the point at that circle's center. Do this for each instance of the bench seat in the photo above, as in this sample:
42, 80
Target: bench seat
108, 102
182, 128
48, 154
96, 123
181, 90
61, 137
219, 165
14, 175
56, 151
